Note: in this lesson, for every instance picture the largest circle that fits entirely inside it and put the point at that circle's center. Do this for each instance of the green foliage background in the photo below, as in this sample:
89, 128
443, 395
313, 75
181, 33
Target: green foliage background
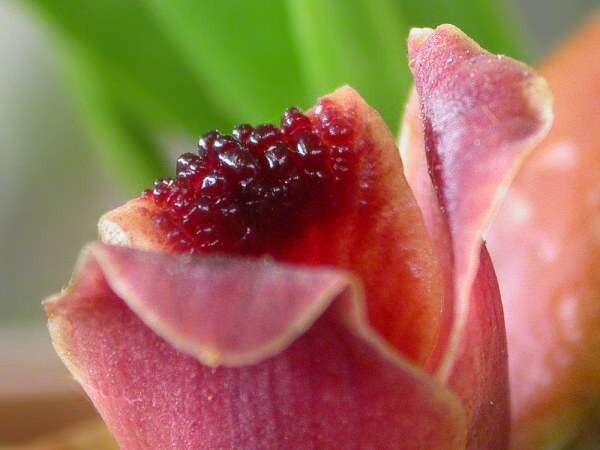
145, 68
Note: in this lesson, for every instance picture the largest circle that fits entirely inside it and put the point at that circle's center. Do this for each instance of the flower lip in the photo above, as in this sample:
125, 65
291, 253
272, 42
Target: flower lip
372, 228
239, 193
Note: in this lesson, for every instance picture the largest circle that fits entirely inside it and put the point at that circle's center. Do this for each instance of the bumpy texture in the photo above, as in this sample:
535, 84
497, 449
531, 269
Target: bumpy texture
243, 193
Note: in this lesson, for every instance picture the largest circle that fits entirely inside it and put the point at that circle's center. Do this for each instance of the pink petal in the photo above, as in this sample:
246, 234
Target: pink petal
310, 370
481, 115
480, 373
412, 148
546, 248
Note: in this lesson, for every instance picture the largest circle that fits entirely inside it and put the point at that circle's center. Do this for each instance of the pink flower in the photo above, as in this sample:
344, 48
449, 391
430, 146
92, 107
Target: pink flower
371, 320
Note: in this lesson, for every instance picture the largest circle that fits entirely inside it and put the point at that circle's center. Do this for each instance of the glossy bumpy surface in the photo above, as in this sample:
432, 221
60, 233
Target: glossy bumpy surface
243, 192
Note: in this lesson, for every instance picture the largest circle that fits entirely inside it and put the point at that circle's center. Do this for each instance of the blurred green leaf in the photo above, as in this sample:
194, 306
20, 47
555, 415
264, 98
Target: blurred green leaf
242, 50
363, 42
150, 66
123, 38
122, 140
357, 42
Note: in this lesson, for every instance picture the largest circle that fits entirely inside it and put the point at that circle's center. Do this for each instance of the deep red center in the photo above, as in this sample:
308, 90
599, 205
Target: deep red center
242, 193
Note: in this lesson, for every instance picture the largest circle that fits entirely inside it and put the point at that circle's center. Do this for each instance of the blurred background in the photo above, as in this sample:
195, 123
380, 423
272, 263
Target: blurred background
96, 98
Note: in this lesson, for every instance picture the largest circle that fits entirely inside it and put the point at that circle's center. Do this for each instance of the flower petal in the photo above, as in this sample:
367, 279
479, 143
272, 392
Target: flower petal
546, 248
412, 149
480, 373
379, 236
480, 114
315, 374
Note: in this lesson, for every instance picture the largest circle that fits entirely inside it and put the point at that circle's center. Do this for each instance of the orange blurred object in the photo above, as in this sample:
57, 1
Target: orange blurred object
545, 244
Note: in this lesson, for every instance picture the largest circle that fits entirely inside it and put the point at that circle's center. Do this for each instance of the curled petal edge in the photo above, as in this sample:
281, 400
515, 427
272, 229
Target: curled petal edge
309, 296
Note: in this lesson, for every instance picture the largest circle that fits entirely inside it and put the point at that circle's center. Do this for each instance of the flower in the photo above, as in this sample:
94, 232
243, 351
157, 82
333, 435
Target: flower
371, 323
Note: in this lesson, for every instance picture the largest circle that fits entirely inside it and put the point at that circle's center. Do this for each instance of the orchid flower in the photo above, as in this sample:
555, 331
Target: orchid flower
339, 307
